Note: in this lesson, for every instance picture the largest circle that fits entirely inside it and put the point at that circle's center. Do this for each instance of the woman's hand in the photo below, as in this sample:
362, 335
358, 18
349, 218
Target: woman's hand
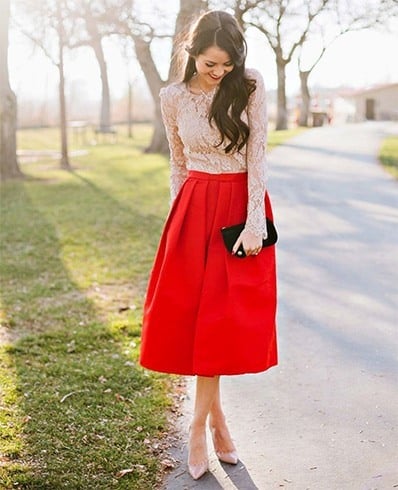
252, 244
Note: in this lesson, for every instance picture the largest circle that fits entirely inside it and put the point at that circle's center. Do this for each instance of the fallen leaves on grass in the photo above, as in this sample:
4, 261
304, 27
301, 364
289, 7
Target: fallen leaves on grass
136, 467
122, 473
126, 308
168, 464
4, 460
71, 347
70, 394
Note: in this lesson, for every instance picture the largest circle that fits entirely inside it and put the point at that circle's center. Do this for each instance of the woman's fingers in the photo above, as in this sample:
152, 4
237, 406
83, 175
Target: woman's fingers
237, 244
250, 244
253, 252
251, 248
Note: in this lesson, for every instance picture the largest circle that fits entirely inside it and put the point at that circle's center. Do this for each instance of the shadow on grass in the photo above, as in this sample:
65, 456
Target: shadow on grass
75, 407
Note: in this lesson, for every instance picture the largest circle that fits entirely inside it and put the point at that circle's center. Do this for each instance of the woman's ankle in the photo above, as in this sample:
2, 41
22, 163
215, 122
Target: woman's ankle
197, 426
217, 421
197, 445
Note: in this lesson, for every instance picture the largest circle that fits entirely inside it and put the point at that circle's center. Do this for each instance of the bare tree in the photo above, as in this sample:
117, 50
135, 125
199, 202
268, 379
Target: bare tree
155, 83
93, 21
286, 25
144, 35
344, 16
62, 103
305, 102
9, 168
129, 56
45, 25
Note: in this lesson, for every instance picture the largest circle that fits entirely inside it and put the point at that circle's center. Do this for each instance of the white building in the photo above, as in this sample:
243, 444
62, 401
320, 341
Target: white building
378, 103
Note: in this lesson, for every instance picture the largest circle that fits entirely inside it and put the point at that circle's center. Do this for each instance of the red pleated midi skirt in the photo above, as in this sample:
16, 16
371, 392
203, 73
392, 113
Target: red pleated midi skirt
206, 311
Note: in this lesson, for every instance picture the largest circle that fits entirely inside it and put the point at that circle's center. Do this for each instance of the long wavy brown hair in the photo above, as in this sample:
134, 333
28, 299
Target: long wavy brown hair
218, 28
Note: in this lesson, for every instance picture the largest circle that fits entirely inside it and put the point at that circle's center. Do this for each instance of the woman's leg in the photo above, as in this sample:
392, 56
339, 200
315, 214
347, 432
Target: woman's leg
221, 437
206, 390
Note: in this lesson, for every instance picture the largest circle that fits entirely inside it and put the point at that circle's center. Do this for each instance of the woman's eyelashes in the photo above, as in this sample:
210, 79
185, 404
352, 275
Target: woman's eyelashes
210, 65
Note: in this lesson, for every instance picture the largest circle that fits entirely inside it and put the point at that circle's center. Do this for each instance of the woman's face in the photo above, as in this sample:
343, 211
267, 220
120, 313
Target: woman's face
212, 65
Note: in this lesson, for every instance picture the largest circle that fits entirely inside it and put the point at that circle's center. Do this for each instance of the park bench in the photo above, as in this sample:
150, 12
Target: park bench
105, 132
79, 131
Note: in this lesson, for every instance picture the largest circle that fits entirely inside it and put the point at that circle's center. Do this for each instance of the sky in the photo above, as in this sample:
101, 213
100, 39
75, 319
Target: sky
357, 59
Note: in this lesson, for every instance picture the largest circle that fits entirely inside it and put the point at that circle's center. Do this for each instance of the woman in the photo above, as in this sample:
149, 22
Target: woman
207, 312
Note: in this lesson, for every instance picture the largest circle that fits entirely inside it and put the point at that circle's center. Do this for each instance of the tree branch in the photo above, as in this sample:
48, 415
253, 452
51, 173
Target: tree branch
39, 44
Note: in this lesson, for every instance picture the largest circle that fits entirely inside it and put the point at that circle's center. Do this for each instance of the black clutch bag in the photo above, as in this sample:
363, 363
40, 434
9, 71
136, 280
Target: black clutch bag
231, 233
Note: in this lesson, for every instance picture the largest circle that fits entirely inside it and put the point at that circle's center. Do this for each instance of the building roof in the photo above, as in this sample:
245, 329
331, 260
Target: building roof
368, 90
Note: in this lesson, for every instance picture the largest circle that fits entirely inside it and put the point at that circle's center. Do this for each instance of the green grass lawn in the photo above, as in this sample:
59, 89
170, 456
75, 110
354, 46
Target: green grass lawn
76, 249
389, 154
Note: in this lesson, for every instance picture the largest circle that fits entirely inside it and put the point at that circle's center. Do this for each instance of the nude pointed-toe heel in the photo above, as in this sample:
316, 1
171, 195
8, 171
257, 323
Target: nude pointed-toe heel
230, 457
198, 470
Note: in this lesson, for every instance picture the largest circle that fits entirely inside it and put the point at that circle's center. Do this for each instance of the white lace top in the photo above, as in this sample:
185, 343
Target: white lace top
193, 143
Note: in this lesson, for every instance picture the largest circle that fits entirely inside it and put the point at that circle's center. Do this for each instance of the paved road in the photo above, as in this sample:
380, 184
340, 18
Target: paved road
326, 417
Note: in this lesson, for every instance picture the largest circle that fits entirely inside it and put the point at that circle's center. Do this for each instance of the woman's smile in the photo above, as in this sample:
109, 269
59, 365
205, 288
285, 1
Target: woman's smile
211, 66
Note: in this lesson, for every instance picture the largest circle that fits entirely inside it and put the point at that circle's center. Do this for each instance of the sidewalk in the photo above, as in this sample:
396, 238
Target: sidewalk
326, 417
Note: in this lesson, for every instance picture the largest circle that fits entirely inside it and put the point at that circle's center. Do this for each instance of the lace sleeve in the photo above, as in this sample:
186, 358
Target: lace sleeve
256, 158
178, 170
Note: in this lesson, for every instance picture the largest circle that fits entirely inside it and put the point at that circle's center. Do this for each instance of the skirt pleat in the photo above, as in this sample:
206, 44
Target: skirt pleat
207, 312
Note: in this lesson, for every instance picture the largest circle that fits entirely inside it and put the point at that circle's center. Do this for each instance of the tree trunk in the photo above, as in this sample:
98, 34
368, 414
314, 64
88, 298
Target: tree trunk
62, 105
188, 8
105, 115
305, 99
9, 168
281, 117
158, 143
159, 139
188, 11
130, 111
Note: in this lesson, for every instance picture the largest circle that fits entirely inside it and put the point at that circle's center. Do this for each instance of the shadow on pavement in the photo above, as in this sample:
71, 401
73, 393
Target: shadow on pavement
221, 476
239, 476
